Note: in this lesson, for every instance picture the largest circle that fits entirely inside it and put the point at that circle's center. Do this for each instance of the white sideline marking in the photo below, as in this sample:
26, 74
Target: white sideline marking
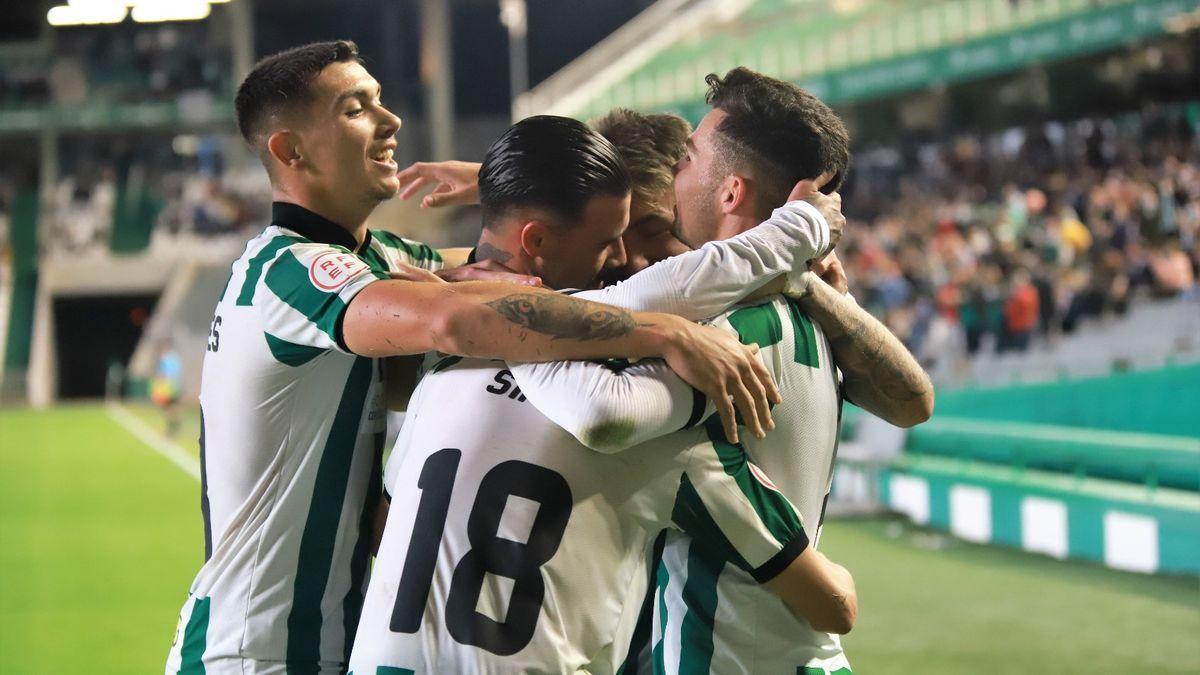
175, 454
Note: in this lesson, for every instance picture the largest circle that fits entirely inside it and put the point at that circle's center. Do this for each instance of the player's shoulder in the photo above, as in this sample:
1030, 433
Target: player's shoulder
417, 251
275, 240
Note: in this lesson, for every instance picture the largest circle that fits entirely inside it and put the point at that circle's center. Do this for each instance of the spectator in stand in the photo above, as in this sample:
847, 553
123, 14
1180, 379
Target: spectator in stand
1171, 271
1020, 313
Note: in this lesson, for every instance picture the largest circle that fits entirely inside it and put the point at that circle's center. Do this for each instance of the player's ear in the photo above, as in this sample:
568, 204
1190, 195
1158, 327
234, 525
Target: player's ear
533, 238
284, 147
734, 193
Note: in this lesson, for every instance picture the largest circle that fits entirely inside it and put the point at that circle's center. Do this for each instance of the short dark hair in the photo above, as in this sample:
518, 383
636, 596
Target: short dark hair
779, 132
650, 146
549, 162
281, 81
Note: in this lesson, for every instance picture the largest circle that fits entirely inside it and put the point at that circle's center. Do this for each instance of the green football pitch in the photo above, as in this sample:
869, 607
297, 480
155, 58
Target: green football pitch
100, 536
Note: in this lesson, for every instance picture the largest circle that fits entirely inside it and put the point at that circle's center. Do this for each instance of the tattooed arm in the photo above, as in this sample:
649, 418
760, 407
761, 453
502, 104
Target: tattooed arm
489, 319
880, 375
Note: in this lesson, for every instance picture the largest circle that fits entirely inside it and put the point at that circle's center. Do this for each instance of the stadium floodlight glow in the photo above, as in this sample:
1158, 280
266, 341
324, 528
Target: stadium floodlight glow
86, 13
150, 11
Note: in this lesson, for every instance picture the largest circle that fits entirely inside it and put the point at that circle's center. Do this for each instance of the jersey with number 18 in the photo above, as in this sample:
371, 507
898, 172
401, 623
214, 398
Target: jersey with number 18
510, 547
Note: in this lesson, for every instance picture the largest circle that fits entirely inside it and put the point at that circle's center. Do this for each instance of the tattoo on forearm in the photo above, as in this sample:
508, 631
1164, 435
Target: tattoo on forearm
866, 350
564, 317
486, 251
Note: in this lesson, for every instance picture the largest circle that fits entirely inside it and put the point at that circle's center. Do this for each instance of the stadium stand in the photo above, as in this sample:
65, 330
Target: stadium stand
841, 51
995, 244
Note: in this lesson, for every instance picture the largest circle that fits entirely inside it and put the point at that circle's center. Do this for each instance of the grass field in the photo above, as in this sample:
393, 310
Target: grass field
101, 536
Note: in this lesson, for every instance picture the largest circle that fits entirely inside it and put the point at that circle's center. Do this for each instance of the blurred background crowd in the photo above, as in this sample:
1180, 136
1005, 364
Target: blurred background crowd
995, 242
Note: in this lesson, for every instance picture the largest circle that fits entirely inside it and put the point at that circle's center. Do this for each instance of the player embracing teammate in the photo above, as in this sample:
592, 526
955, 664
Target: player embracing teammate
501, 563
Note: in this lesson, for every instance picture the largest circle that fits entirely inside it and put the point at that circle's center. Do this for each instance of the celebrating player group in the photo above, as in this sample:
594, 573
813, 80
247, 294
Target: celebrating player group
622, 404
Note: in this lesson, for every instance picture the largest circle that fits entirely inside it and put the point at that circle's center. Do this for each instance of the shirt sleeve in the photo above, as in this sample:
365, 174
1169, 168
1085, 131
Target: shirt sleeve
610, 406
711, 279
730, 506
303, 294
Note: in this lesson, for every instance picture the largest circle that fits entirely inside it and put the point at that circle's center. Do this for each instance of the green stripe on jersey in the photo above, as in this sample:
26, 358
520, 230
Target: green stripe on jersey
761, 325
290, 353
700, 598
817, 670
352, 604
288, 280
657, 656
195, 639
692, 517
420, 253
757, 325
772, 507
375, 261
254, 270
445, 363
805, 336
321, 528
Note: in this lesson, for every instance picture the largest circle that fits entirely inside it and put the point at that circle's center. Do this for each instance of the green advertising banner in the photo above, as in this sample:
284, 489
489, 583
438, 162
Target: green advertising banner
1097, 30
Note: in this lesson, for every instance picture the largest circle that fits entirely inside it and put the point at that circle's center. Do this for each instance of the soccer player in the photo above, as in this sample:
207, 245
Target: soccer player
709, 615
290, 397
509, 547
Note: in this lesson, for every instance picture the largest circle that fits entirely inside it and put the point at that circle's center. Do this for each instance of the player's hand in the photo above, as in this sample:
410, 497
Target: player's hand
457, 183
729, 373
829, 269
487, 270
829, 205
409, 273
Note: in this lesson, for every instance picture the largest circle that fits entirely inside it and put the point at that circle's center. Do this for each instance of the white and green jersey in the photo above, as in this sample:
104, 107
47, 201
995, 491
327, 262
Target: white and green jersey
512, 548
291, 435
708, 615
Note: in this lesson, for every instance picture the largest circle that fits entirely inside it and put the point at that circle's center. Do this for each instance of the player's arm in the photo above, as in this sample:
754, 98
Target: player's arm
731, 509
709, 280
879, 374
820, 590
610, 410
499, 320
611, 406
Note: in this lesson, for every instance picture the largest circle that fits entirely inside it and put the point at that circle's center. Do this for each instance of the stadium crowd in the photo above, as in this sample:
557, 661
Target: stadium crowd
119, 64
993, 242
189, 198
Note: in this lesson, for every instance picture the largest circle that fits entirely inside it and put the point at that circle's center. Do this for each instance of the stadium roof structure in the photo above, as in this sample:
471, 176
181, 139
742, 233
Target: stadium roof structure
841, 50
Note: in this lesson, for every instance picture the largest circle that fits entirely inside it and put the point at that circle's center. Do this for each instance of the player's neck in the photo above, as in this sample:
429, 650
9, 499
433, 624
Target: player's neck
501, 250
733, 224
351, 217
